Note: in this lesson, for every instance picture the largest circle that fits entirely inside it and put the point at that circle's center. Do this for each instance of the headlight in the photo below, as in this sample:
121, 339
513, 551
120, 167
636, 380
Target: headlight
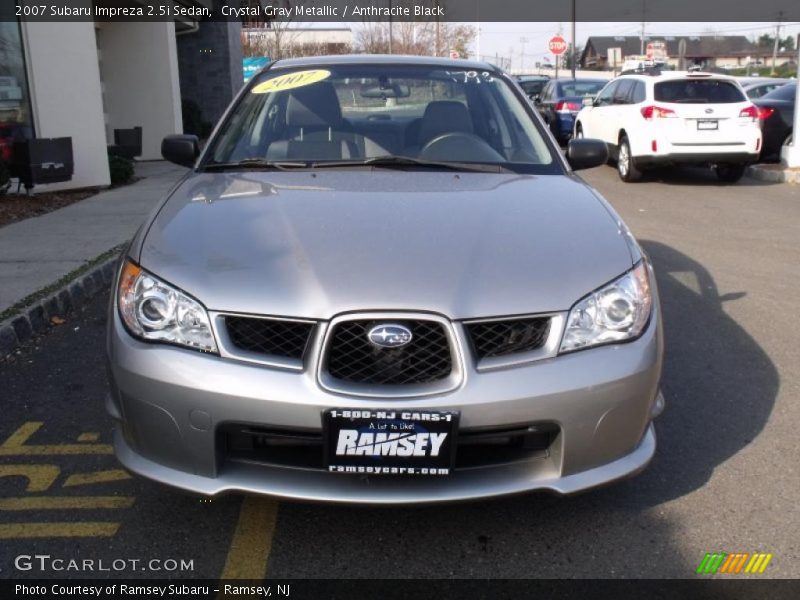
154, 310
616, 312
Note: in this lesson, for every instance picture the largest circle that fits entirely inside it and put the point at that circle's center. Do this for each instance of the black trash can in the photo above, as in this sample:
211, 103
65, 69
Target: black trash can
127, 143
42, 160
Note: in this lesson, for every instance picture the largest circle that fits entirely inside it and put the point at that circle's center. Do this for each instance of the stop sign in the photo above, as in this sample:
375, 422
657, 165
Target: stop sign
557, 45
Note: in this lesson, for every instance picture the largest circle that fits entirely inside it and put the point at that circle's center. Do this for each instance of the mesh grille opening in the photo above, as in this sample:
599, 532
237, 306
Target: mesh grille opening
500, 338
425, 359
288, 339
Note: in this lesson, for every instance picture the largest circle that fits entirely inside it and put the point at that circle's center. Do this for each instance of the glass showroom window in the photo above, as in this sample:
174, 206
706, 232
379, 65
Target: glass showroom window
15, 112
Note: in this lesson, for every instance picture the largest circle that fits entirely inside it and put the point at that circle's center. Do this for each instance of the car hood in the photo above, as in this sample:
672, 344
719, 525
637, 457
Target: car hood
314, 244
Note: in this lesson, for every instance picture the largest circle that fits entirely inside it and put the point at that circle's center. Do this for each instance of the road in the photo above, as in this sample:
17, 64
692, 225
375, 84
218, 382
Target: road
725, 476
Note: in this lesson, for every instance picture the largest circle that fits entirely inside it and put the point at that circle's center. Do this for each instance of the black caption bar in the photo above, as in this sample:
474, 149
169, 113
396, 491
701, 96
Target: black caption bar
389, 589
349, 11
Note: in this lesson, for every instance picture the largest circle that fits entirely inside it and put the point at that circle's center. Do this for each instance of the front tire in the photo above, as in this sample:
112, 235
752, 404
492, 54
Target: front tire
730, 173
626, 165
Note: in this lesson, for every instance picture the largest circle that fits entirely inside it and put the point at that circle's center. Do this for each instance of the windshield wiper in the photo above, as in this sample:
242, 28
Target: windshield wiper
255, 163
391, 161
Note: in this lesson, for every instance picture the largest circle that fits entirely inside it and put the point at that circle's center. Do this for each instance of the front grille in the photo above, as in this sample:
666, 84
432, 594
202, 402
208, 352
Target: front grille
273, 337
425, 359
499, 338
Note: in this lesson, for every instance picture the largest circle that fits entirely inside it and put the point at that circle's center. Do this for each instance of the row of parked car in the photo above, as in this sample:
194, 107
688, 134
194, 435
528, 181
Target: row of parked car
653, 118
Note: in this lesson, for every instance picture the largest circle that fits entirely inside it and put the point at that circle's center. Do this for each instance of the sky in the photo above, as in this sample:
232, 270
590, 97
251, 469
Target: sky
505, 40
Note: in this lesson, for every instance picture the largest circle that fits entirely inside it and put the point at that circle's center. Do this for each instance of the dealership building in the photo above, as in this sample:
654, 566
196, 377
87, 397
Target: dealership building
84, 79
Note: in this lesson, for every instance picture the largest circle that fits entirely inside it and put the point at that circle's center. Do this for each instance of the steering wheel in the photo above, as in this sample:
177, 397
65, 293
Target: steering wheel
460, 146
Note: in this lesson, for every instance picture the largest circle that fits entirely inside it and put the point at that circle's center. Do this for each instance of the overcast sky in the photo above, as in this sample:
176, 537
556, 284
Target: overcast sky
504, 40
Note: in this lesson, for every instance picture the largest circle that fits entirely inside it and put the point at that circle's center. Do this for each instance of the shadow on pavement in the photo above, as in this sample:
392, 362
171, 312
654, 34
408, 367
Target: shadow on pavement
720, 385
696, 176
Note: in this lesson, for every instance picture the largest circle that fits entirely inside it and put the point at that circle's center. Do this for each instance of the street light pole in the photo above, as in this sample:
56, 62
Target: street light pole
574, 57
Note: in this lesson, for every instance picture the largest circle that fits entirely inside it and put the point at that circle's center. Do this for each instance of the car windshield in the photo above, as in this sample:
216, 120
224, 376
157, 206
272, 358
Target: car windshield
698, 91
341, 115
532, 87
581, 88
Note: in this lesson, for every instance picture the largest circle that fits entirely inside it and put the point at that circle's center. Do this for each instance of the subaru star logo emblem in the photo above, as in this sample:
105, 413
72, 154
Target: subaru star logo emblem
389, 335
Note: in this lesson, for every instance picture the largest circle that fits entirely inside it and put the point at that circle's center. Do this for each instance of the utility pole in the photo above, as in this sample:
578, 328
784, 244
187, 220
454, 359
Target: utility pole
641, 38
478, 41
522, 41
574, 57
390, 27
437, 47
777, 41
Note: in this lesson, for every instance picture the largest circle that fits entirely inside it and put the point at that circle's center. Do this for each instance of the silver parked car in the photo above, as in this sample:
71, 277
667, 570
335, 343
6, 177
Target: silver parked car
381, 282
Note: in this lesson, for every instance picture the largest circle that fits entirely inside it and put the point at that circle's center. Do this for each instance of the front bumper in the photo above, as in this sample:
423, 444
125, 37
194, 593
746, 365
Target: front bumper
170, 402
564, 126
696, 158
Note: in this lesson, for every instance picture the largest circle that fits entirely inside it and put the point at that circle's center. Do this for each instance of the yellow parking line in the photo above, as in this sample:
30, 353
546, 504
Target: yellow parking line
88, 437
56, 450
15, 445
252, 540
65, 502
22, 531
40, 477
97, 477
21, 435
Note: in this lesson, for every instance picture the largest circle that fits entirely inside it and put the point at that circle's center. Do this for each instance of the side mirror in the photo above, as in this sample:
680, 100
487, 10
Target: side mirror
181, 149
588, 101
586, 153
537, 99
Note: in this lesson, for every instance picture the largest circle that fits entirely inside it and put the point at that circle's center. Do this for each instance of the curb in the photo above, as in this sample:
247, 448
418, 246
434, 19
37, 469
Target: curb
35, 318
773, 175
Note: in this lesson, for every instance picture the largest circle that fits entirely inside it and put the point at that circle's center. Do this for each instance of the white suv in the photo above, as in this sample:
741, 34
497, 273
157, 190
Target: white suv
650, 118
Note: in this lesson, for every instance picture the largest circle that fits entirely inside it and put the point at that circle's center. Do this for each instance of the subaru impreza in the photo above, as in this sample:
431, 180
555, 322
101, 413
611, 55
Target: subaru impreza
380, 281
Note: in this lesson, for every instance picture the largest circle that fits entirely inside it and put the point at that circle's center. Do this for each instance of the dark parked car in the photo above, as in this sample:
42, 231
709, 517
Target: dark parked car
532, 85
757, 87
561, 100
776, 111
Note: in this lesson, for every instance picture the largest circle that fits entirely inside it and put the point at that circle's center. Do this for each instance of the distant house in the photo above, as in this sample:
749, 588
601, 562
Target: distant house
725, 51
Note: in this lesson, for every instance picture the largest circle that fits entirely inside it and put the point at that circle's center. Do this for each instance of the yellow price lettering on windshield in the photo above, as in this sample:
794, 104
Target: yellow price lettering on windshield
291, 81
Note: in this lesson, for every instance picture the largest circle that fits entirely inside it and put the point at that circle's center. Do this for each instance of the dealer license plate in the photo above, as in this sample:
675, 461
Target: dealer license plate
390, 442
708, 124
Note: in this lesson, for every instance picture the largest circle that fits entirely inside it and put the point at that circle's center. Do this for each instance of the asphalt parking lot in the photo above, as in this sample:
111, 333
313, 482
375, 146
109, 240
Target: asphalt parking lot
725, 476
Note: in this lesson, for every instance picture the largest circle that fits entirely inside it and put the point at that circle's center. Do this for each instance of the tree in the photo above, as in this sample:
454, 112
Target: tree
277, 39
427, 38
765, 40
567, 57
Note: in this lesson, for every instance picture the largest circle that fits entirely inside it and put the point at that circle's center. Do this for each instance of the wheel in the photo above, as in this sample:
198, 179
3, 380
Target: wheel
578, 132
626, 166
730, 173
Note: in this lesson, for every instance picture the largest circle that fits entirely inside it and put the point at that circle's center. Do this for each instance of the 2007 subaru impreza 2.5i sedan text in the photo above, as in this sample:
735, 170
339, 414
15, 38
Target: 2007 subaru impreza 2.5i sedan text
380, 282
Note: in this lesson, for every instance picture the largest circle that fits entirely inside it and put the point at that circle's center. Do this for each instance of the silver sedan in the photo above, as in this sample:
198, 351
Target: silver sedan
381, 282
